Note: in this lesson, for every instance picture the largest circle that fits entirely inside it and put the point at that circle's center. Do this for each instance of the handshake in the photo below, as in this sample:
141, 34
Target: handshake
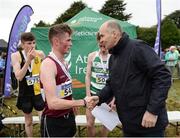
91, 101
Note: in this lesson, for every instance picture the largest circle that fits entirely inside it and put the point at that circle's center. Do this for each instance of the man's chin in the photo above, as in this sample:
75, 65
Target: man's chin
67, 53
107, 47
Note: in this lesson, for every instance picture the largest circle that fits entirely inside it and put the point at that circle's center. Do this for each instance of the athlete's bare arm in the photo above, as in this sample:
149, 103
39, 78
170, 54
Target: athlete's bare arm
47, 76
16, 61
88, 73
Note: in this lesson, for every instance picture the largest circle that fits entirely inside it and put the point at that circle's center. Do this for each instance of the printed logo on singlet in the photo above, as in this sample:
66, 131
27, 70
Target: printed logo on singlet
97, 64
36, 60
32, 79
62, 77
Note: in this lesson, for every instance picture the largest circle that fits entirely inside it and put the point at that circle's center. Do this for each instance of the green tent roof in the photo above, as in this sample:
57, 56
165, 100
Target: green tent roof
85, 25
91, 20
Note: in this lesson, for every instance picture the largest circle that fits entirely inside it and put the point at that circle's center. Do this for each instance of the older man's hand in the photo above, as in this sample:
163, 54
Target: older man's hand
91, 101
149, 120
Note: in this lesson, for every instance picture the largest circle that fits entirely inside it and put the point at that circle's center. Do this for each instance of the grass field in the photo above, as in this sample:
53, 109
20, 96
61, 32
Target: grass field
173, 103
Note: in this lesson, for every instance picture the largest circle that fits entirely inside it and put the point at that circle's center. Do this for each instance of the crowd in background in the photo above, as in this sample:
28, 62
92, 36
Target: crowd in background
2, 67
171, 57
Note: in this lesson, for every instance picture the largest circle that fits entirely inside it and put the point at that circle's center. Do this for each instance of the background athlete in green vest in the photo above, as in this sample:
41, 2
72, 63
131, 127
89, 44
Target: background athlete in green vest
96, 76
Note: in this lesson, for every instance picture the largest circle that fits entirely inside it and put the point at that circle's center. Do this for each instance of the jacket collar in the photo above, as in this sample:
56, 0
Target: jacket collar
120, 45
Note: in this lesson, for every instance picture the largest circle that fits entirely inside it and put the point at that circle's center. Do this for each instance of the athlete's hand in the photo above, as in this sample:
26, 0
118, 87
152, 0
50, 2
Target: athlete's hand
31, 54
91, 101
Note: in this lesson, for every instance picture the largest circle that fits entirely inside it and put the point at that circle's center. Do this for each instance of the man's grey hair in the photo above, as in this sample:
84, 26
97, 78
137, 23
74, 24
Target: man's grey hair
113, 25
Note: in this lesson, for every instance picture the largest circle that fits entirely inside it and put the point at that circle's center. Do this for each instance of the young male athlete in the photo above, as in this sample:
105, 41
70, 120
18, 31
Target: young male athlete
26, 66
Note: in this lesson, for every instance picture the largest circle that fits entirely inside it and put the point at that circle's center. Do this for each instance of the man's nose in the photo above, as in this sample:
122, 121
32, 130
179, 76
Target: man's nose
33, 45
100, 41
70, 43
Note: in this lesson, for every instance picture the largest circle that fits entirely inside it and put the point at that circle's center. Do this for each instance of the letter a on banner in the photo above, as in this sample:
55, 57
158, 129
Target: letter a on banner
19, 25
157, 46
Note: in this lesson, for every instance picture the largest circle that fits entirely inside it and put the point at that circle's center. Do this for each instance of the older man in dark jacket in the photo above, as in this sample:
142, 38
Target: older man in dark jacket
138, 80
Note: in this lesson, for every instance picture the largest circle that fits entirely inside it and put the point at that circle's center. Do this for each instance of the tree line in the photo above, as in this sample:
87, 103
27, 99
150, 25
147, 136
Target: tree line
170, 26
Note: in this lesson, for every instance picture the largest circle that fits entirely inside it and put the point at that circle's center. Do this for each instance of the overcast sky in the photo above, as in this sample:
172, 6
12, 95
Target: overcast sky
143, 11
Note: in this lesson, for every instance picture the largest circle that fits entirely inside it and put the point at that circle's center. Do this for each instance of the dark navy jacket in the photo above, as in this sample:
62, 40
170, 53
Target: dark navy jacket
139, 81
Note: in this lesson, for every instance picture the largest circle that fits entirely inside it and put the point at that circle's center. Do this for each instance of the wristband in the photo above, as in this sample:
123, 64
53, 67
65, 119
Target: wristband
85, 103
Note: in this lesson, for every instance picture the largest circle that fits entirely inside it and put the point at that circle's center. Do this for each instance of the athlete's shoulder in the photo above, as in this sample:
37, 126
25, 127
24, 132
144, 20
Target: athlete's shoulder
48, 60
15, 55
40, 54
92, 54
48, 64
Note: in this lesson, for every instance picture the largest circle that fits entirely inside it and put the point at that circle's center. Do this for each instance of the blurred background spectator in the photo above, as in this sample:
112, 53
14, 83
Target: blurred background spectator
171, 59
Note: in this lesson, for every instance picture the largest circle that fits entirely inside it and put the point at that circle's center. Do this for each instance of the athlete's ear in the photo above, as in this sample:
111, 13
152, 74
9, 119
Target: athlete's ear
55, 41
22, 45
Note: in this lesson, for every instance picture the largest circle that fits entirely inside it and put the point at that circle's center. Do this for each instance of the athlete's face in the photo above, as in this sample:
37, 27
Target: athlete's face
102, 48
65, 43
28, 45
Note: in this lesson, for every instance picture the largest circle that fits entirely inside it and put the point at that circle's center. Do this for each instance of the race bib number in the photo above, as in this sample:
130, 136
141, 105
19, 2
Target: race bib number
32, 80
101, 79
64, 89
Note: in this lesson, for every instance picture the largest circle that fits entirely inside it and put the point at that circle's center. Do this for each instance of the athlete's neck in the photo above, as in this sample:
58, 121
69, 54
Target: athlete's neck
103, 54
25, 52
58, 55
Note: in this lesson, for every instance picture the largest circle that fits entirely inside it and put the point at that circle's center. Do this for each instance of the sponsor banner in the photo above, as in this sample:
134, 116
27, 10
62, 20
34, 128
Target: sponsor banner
19, 25
157, 46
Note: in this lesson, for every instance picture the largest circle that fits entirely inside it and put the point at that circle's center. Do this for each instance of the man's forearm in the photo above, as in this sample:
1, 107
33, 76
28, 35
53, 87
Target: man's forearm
88, 86
105, 94
22, 72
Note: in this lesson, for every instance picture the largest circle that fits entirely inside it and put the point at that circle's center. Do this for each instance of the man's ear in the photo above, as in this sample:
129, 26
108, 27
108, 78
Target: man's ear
114, 33
55, 41
22, 45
